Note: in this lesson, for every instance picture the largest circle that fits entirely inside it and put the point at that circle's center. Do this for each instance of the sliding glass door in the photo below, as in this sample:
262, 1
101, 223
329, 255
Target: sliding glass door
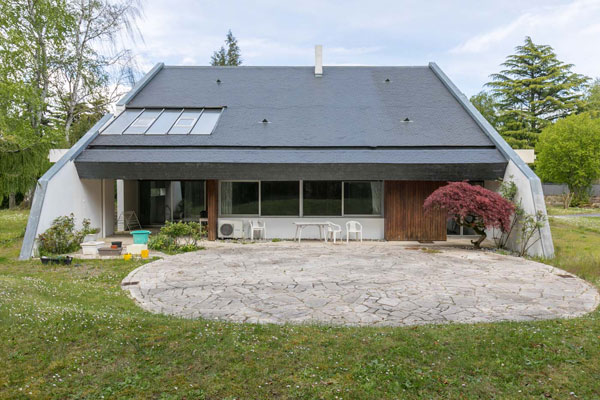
162, 201
153, 202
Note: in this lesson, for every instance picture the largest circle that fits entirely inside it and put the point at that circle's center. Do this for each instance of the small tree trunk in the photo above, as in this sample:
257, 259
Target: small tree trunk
482, 237
12, 201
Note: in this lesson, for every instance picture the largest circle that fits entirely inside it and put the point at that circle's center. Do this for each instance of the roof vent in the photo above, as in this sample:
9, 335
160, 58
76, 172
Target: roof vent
318, 61
265, 121
387, 80
406, 120
218, 81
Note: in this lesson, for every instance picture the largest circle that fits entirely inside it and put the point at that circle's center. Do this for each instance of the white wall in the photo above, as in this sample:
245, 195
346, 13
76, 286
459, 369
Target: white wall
531, 202
284, 228
85, 198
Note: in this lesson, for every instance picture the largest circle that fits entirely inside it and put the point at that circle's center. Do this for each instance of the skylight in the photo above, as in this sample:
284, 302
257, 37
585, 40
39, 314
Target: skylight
185, 123
196, 121
143, 122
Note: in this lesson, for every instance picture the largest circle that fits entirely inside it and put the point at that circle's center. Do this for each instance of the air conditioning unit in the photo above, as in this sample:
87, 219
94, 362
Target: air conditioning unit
229, 229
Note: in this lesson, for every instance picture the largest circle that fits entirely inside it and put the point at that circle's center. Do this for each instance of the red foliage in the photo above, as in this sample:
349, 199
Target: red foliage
461, 200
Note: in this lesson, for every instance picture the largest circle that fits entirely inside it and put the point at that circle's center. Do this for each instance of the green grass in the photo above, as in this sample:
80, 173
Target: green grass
71, 332
571, 210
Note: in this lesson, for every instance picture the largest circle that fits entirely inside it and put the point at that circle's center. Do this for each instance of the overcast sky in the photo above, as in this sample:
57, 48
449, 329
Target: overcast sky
468, 39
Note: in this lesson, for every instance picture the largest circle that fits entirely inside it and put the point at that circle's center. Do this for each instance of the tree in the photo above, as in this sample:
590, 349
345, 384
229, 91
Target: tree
84, 71
486, 104
59, 66
31, 33
569, 152
472, 206
592, 99
229, 57
533, 90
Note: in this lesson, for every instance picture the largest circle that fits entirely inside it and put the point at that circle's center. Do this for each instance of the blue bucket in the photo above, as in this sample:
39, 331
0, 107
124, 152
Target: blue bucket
140, 237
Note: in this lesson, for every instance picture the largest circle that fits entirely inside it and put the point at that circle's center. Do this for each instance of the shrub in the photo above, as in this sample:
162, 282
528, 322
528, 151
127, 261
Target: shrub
177, 237
472, 206
62, 237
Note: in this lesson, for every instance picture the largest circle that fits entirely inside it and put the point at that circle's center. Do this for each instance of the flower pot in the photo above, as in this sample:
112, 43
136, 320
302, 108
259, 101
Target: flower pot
119, 244
67, 260
127, 257
90, 237
91, 248
45, 260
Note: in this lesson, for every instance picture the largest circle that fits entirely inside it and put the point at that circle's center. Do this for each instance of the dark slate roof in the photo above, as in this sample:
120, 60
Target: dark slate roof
347, 107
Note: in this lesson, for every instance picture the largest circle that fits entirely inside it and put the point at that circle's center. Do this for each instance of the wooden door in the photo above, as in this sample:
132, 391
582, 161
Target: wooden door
404, 216
212, 207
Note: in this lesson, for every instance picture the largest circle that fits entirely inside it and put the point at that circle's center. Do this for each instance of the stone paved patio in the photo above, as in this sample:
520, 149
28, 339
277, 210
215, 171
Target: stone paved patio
371, 283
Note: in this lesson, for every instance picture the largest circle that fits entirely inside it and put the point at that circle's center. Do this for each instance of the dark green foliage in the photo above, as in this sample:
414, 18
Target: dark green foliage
62, 237
229, 57
569, 152
533, 90
485, 103
592, 99
177, 237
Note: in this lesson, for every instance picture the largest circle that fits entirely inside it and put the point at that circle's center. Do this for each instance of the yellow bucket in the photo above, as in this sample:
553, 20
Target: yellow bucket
145, 253
127, 257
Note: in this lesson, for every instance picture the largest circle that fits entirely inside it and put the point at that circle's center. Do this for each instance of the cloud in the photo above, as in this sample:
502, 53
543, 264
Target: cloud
571, 29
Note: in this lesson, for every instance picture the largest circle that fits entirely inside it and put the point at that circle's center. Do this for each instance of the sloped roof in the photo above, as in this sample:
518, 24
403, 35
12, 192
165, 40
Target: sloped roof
347, 107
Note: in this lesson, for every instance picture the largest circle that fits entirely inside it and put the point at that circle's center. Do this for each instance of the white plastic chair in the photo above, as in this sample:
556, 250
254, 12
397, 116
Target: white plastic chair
353, 227
333, 230
258, 226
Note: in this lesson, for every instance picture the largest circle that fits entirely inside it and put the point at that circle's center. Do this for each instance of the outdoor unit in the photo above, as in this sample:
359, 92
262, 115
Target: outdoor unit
229, 229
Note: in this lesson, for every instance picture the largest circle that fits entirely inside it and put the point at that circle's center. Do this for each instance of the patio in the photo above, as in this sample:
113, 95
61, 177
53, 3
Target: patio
369, 283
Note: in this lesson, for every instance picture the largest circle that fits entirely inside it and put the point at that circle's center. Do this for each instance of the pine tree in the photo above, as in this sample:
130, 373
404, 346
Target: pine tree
229, 57
533, 90
592, 99
486, 104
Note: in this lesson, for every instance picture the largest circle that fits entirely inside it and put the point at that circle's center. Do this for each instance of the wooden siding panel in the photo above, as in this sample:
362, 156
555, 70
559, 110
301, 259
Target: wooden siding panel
404, 215
212, 207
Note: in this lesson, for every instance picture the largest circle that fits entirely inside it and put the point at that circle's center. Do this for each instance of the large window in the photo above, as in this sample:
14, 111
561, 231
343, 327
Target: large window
318, 198
239, 198
362, 198
322, 198
188, 200
280, 198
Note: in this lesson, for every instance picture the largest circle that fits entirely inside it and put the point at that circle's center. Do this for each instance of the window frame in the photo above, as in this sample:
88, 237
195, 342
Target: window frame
300, 200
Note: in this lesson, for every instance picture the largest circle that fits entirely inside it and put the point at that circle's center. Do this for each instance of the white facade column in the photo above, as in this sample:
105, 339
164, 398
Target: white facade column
120, 205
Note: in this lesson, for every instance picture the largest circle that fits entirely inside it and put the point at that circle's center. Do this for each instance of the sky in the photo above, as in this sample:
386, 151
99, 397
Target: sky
467, 39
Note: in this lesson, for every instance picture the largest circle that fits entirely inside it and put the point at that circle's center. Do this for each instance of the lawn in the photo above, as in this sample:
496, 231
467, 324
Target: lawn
572, 210
71, 332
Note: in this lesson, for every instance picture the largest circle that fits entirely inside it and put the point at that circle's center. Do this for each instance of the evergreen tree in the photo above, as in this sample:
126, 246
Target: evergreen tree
229, 57
485, 103
592, 99
533, 90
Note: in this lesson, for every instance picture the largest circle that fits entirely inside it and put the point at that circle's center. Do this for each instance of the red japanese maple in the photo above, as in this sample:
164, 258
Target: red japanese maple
472, 206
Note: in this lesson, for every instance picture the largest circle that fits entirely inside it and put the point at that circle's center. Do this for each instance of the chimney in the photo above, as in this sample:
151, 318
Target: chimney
318, 61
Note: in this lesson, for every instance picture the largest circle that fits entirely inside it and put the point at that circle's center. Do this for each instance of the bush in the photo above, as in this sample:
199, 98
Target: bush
62, 237
472, 206
177, 237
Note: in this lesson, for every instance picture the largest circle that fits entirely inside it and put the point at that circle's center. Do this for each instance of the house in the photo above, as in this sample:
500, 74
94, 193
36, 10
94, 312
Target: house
283, 144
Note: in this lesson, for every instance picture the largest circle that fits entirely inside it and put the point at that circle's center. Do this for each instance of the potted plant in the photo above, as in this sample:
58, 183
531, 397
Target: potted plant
89, 234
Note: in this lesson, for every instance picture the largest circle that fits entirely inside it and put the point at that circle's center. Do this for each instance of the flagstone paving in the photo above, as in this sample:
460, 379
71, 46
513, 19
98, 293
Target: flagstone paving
370, 283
